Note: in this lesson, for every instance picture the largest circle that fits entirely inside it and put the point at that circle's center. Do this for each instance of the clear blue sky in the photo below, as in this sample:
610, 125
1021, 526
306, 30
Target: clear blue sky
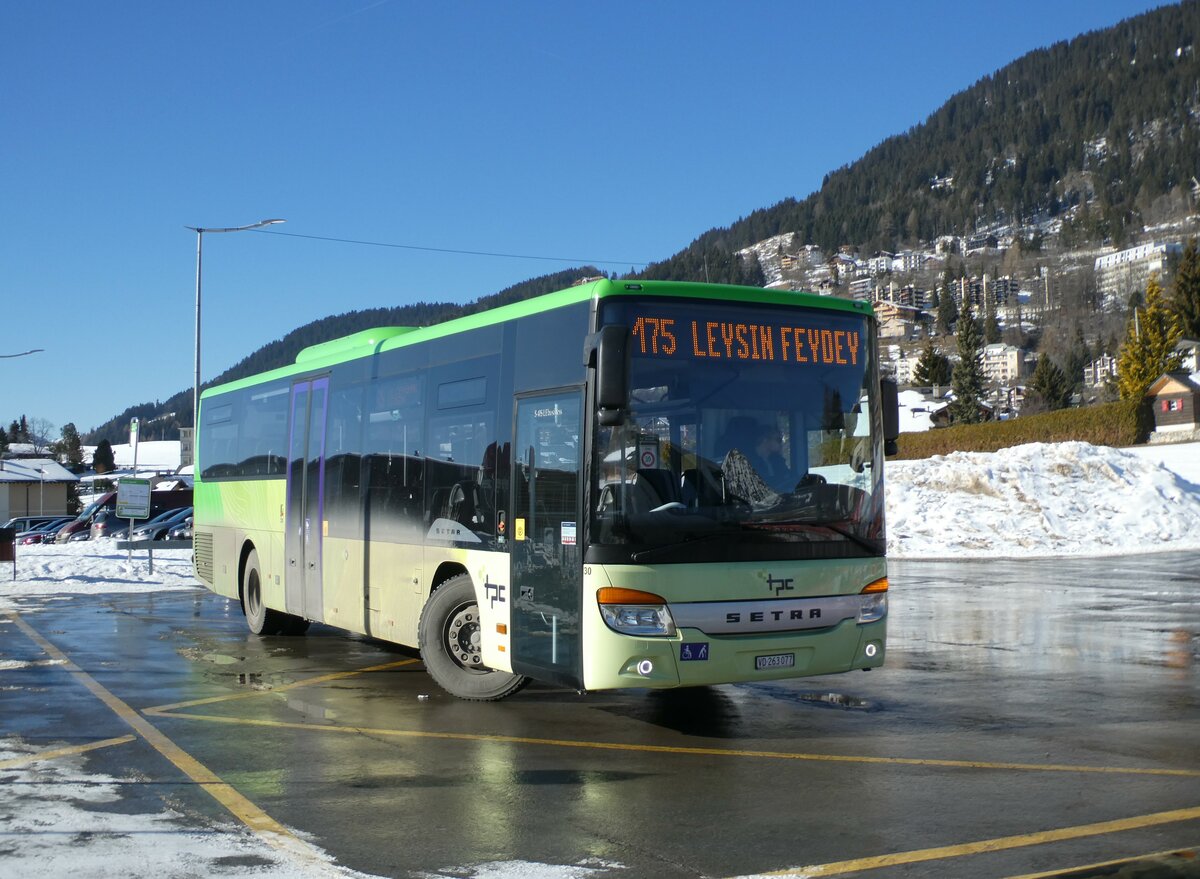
592, 132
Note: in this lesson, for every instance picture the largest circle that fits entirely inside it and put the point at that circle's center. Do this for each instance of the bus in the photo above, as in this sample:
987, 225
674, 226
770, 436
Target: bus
622, 484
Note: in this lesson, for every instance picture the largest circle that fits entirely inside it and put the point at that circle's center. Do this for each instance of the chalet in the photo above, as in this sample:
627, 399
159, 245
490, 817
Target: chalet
1175, 396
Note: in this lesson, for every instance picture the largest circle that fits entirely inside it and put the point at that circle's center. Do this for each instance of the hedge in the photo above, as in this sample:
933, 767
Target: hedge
1124, 423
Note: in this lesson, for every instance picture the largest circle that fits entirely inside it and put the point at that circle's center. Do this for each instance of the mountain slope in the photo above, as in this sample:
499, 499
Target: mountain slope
1111, 117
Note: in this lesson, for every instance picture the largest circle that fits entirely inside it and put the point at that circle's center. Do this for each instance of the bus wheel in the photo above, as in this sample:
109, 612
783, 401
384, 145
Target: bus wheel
449, 636
260, 619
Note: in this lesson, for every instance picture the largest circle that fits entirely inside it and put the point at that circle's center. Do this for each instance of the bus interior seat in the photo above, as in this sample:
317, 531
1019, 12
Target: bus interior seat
661, 483
464, 503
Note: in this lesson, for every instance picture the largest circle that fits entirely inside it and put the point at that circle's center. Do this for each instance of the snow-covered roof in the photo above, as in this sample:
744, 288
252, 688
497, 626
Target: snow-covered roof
34, 470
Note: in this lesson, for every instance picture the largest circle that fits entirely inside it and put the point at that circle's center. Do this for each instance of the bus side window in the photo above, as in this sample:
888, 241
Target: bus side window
393, 446
343, 470
459, 446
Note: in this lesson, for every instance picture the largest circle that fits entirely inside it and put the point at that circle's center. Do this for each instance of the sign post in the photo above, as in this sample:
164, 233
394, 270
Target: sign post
133, 502
133, 441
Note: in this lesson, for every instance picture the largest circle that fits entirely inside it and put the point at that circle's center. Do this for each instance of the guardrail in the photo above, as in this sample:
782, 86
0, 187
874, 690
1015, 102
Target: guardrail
151, 545
155, 544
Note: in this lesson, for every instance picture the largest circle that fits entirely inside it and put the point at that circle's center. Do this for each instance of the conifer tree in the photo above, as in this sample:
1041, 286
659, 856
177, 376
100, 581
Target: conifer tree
69, 449
947, 311
3, 440
1185, 292
1049, 388
102, 460
933, 368
991, 326
967, 378
1149, 348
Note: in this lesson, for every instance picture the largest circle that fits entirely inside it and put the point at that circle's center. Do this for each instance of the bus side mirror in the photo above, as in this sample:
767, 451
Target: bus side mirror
889, 398
612, 374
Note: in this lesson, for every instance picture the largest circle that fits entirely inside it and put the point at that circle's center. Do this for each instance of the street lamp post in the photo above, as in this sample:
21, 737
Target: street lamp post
199, 248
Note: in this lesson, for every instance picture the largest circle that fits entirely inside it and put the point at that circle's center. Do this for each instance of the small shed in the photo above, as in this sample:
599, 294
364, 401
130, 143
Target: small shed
32, 487
1175, 397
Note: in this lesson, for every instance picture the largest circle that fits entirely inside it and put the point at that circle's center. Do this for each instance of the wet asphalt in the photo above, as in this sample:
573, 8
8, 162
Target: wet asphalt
1034, 718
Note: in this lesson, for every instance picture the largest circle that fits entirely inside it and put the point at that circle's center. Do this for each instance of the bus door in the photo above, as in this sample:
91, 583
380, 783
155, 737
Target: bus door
547, 572
305, 490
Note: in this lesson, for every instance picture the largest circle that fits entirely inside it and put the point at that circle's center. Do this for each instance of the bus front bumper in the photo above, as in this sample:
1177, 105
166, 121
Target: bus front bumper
692, 658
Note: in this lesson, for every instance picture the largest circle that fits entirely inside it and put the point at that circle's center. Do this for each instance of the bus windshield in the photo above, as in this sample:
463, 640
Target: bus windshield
752, 432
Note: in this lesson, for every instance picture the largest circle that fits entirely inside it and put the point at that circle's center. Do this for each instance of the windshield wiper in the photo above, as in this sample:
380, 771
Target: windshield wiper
655, 550
868, 544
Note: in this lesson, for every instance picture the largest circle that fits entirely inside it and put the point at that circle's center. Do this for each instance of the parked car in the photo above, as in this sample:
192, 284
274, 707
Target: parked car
159, 501
106, 524
182, 531
27, 523
157, 528
43, 533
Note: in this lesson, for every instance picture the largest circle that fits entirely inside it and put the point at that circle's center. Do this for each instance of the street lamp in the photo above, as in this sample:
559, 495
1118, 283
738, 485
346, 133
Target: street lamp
199, 246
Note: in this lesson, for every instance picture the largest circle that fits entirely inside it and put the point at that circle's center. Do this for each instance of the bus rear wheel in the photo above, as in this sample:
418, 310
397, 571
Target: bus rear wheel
449, 634
260, 618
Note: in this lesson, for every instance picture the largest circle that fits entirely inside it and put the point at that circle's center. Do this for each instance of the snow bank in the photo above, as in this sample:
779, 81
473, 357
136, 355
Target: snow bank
1040, 499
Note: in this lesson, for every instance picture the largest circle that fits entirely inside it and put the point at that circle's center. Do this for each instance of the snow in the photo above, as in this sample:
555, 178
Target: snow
1045, 500
1035, 500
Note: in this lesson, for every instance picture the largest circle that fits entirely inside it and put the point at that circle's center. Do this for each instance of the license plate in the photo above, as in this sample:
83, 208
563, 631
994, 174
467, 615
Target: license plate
775, 660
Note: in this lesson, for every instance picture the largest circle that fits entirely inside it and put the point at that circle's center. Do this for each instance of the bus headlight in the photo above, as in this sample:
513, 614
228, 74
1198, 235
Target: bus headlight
874, 602
633, 612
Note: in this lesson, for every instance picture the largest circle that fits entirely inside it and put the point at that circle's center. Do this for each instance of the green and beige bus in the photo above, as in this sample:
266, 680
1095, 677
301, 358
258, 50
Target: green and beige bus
650, 484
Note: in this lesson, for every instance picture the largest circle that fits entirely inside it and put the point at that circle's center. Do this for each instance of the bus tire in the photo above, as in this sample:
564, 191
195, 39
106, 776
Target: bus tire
449, 637
261, 619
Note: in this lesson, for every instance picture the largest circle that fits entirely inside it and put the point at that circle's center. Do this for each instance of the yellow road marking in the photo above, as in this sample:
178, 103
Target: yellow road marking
1187, 854
993, 845
669, 749
262, 824
55, 753
307, 682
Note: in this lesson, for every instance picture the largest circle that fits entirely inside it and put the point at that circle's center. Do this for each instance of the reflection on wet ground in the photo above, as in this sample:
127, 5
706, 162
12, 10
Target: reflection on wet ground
1140, 610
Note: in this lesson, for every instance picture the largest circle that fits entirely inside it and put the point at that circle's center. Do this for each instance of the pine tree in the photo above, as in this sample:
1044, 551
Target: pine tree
1049, 388
3, 440
1149, 348
947, 311
102, 458
933, 368
1078, 356
69, 449
991, 326
967, 379
1185, 292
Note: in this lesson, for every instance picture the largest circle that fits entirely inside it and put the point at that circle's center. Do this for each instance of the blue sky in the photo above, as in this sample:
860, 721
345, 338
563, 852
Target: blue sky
609, 133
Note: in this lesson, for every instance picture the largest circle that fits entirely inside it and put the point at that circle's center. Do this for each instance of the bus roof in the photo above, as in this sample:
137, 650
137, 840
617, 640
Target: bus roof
374, 341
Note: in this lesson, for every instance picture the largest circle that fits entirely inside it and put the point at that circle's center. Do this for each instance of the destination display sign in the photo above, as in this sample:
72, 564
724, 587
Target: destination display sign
691, 334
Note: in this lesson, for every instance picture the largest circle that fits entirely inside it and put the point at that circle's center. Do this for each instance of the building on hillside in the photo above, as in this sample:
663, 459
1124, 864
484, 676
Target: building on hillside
880, 263
896, 321
1119, 275
906, 365
1100, 371
1175, 396
1005, 363
862, 288
34, 487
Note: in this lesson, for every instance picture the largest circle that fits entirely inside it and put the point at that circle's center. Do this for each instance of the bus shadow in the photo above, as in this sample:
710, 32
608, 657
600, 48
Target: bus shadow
691, 711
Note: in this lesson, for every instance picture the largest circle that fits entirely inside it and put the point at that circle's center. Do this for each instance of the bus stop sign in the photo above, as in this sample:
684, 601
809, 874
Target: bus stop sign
133, 499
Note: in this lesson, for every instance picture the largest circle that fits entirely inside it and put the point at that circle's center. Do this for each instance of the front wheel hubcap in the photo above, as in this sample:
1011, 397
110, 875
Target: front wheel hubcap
463, 638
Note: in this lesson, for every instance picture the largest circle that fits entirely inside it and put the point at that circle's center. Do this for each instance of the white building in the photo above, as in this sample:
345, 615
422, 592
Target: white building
1119, 275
